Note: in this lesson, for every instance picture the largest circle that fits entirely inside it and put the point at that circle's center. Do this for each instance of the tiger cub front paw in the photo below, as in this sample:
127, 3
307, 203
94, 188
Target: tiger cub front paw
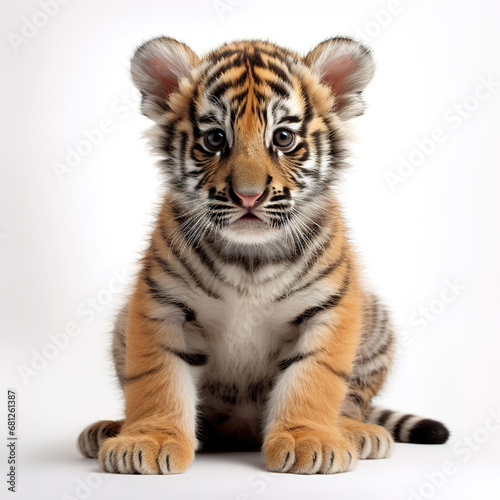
152, 453
303, 450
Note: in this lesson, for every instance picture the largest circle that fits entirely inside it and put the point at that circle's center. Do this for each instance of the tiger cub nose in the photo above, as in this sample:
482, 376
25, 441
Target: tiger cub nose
248, 201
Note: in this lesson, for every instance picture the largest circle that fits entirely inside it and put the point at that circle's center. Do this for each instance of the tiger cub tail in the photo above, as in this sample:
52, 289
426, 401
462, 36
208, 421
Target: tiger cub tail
408, 428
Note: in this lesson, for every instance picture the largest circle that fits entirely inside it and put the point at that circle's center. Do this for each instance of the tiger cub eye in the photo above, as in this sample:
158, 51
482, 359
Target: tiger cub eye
283, 139
215, 139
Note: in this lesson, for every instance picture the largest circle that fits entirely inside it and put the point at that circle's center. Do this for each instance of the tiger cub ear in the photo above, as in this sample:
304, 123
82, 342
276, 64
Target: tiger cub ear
347, 67
157, 67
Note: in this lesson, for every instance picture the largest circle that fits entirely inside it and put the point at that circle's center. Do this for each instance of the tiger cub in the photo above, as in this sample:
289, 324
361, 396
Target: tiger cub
249, 326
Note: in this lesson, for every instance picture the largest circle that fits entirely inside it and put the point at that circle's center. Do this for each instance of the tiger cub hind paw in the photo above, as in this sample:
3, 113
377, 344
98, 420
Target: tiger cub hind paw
92, 437
373, 441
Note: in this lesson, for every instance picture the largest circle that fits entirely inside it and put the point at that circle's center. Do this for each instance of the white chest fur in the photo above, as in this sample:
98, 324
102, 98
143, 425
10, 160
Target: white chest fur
243, 336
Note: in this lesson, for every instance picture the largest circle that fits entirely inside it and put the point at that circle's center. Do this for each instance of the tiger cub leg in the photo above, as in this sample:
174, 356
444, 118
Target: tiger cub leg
369, 372
92, 437
373, 440
305, 432
158, 434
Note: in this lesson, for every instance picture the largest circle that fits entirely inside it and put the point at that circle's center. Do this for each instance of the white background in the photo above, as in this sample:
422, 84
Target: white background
63, 240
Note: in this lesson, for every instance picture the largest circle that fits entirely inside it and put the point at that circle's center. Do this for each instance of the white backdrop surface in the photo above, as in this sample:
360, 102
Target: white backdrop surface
421, 199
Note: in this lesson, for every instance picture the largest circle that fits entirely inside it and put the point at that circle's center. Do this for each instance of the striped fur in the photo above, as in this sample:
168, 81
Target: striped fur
249, 326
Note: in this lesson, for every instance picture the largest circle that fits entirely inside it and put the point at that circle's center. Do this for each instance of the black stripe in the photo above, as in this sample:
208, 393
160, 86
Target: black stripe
209, 264
331, 302
382, 327
295, 428
308, 112
374, 314
224, 53
169, 131
143, 374
193, 114
151, 318
262, 117
279, 72
279, 107
276, 53
202, 181
222, 87
259, 96
283, 365
278, 88
219, 89
278, 211
317, 140
201, 158
290, 119
396, 431
199, 283
356, 398
337, 373
378, 332
383, 417
217, 73
163, 298
279, 197
276, 206
380, 351
167, 268
364, 380
221, 207
241, 112
237, 99
247, 262
298, 147
319, 252
182, 151
323, 274
209, 119
336, 150
300, 185
303, 159
241, 80
192, 359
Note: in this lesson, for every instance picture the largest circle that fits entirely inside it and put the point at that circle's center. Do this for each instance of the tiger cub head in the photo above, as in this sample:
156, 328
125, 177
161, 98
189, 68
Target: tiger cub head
251, 135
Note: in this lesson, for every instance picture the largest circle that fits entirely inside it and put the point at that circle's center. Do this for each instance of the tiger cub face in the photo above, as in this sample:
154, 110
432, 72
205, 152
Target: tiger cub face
251, 135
